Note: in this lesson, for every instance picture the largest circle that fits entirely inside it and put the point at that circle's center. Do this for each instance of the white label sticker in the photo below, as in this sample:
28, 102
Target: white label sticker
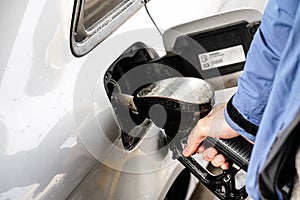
222, 57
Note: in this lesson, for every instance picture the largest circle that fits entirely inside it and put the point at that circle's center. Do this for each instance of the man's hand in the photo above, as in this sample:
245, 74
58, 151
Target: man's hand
213, 125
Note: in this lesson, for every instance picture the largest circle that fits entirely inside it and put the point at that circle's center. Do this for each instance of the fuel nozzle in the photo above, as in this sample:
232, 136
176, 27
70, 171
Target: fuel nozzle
174, 104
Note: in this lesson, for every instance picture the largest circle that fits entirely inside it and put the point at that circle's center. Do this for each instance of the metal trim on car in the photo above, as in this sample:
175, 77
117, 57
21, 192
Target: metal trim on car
83, 39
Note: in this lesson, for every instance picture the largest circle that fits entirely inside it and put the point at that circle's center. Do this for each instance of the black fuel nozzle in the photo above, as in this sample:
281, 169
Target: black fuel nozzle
172, 104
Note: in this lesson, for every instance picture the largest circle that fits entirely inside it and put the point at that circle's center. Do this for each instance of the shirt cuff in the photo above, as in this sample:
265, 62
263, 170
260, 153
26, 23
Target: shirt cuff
237, 128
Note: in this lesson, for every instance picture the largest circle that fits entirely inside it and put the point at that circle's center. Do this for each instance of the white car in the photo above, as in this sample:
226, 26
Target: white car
61, 137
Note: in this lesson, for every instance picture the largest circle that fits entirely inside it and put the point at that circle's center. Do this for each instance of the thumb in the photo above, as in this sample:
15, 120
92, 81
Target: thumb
193, 143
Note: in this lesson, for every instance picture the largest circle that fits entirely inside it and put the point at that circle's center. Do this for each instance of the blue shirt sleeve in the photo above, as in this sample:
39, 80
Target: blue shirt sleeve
255, 84
236, 127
